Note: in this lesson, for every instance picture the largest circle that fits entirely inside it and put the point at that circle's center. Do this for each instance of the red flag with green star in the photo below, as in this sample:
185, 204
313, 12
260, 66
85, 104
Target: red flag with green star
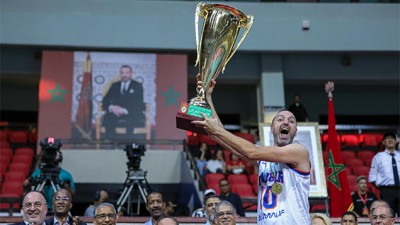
338, 185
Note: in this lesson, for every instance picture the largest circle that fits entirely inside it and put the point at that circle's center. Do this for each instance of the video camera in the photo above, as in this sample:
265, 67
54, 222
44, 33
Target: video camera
134, 153
50, 148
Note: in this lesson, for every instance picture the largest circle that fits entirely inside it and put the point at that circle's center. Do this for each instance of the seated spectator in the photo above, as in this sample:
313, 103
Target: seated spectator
235, 165
170, 208
200, 212
362, 199
228, 195
99, 197
375, 205
217, 163
320, 219
62, 204
204, 157
349, 218
382, 215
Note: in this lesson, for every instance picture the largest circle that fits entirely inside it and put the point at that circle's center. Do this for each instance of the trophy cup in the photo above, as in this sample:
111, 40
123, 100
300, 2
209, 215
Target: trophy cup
220, 30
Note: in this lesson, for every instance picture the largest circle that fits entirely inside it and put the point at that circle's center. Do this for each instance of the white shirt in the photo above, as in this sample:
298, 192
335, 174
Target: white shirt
381, 171
213, 165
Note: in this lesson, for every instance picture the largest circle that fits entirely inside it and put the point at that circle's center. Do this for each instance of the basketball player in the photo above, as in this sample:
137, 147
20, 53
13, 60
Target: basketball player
284, 169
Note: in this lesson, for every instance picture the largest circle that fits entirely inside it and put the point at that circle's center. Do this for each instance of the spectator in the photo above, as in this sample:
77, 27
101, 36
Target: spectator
225, 213
349, 218
156, 206
201, 212
235, 165
298, 109
105, 214
375, 205
167, 220
362, 199
204, 157
320, 219
382, 215
99, 197
209, 206
62, 204
385, 172
226, 194
217, 163
34, 208
170, 209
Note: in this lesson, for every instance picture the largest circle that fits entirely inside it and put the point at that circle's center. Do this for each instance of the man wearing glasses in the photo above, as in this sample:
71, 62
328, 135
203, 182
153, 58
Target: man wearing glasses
62, 204
34, 209
382, 215
105, 214
225, 213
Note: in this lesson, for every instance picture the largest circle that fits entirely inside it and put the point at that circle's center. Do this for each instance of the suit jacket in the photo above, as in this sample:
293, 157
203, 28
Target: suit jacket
19, 223
132, 100
70, 221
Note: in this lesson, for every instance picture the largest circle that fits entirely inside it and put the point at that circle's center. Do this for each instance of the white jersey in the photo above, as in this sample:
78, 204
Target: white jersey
291, 206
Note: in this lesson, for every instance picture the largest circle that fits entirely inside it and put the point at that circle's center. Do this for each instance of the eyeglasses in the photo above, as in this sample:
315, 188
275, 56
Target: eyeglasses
228, 214
37, 205
102, 217
381, 217
64, 199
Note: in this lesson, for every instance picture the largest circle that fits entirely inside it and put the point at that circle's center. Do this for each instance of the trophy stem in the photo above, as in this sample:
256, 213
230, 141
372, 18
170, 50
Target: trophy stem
200, 100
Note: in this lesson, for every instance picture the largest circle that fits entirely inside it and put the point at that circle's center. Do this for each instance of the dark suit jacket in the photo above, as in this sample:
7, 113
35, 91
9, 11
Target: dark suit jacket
70, 221
132, 100
19, 223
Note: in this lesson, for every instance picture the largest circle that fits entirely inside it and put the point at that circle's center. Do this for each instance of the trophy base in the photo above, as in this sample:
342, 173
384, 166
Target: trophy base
183, 121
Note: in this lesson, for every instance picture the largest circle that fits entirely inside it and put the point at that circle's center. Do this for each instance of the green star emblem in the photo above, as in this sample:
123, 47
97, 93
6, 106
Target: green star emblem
57, 94
170, 96
336, 169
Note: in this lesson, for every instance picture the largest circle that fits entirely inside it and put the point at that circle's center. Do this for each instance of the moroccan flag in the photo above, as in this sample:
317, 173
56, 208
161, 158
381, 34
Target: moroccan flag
338, 185
84, 115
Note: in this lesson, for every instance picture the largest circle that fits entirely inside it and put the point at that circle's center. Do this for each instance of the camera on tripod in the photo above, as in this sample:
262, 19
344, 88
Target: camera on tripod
50, 149
134, 153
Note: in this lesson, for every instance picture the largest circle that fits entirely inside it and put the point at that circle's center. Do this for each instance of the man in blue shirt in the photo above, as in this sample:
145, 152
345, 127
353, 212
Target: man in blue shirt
155, 205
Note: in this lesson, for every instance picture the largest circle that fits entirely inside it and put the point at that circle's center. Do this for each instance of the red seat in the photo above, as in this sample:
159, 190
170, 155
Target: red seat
375, 191
243, 190
5, 159
24, 151
348, 155
6, 152
3, 168
18, 137
348, 171
253, 178
3, 135
4, 144
215, 187
352, 178
238, 179
353, 163
318, 208
214, 178
33, 136
246, 136
193, 139
366, 156
11, 189
350, 140
22, 167
207, 139
17, 176
369, 140
22, 159
361, 170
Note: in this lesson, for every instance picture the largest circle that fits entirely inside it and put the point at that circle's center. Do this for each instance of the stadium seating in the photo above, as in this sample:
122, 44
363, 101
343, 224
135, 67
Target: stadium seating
24, 151
350, 141
238, 179
22, 167
354, 163
215, 187
243, 190
11, 189
253, 178
214, 178
3, 136
366, 156
369, 140
348, 155
17, 176
361, 170
246, 136
18, 137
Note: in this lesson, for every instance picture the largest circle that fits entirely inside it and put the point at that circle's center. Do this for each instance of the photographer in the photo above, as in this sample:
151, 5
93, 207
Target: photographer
50, 172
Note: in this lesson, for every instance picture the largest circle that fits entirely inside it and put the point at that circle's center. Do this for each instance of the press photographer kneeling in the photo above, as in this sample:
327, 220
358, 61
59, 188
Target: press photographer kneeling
49, 177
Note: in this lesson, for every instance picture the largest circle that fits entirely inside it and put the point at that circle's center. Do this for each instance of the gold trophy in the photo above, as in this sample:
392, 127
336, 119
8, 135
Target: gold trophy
220, 30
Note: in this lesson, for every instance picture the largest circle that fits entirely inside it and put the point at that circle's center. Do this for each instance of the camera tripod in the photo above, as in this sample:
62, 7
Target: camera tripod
47, 178
135, 181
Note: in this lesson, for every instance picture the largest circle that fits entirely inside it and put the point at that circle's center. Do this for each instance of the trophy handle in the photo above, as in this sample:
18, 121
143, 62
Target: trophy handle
247, 27
196, 24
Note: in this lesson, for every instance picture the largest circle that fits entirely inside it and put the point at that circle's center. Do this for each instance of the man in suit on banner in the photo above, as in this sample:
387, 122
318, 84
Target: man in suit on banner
124, 107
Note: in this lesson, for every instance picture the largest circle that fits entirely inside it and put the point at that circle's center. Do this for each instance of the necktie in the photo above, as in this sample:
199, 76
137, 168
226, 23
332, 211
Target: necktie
395, 171
124, 84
